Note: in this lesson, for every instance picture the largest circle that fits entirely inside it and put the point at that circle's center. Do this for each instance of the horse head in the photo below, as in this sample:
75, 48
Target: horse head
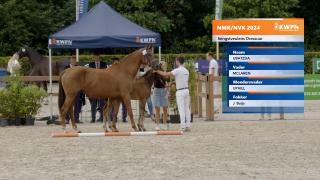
33, 56
23, 52
149, 77
147, 55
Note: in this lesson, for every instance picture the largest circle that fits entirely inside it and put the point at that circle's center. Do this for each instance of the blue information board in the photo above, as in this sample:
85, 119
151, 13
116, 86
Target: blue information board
263, 71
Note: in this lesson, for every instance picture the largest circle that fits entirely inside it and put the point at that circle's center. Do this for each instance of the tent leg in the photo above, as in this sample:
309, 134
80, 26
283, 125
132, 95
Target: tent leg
50, 121
159, 53
77, 55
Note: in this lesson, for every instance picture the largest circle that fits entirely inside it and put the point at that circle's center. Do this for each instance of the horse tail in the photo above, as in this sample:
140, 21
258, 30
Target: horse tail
62, 94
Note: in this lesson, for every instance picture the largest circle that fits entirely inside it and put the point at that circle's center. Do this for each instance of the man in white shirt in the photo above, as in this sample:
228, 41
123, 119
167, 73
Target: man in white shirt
181, 75
213, 71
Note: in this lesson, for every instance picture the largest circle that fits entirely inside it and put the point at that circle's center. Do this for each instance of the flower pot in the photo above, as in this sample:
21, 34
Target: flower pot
4, 122
18, 121
175, 119
30, 121
15, 122
11, 122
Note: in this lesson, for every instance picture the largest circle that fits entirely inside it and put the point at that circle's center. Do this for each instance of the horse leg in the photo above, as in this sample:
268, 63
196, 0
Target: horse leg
142, 104
127, 103
116, 106
106, 119
65, 109
73, 122
110, 112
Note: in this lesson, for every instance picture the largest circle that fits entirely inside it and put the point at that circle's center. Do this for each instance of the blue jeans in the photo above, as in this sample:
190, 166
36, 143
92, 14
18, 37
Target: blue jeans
150, 106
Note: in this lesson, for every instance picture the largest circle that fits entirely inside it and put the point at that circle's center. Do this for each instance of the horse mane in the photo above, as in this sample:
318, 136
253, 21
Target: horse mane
129, 55
149, 77
33, 55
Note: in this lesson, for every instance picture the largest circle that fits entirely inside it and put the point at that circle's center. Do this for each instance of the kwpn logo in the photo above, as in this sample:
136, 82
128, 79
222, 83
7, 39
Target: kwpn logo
137, 39
59, 42
145, 40
286, 27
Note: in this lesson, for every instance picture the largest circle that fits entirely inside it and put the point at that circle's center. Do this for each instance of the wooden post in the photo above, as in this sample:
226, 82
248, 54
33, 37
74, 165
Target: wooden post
207, 98
195, 100
211, 96
281, 116
199, 96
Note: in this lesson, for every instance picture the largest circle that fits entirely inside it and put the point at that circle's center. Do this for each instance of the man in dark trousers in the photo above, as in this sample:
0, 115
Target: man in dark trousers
97, 64
124, 109
80, 98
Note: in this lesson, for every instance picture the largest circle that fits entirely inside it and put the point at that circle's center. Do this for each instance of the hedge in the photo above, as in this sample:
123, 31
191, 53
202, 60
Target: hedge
169, 58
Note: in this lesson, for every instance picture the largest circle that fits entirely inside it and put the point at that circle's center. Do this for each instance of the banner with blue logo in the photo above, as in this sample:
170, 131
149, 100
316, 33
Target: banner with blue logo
82, 7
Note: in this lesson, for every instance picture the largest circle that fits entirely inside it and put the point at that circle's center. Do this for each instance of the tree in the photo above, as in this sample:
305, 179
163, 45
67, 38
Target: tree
184, 25
309, 10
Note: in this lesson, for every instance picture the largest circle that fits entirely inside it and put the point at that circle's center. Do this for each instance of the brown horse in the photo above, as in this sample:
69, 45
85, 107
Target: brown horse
40, 64
141, 91
114, 82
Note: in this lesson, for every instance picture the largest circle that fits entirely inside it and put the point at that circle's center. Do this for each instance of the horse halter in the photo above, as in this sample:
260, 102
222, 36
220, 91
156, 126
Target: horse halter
147, 57
22, 52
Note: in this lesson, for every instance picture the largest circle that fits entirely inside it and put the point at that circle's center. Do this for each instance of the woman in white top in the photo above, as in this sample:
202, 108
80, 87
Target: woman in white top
181, 75
213, 71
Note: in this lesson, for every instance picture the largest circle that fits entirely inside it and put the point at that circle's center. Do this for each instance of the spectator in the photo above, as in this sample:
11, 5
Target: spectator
160, 99
213, 72
97, 64
80, 98
181, 75
124, 109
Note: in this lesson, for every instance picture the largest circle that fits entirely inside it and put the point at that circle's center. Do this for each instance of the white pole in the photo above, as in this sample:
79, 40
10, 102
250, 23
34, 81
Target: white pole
77, 55
159, 53
77, 10
77, 18
50, 84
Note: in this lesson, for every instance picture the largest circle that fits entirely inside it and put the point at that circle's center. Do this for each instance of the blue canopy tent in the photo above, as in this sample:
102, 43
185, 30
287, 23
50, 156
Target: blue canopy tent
101, 27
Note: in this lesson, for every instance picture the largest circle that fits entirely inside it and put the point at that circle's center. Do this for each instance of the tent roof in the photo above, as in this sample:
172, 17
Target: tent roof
103, 27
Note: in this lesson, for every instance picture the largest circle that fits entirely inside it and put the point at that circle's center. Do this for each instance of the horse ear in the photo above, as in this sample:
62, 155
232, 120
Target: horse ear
149, 46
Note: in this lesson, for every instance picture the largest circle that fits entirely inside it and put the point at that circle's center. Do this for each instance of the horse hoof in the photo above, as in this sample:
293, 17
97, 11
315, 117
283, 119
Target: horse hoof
79, 131
144, 129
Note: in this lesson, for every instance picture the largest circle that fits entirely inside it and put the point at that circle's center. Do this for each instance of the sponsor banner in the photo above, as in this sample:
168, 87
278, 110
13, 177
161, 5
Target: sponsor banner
60, 42
316, 65
82, 7
312, 87
145, 40
218, 11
